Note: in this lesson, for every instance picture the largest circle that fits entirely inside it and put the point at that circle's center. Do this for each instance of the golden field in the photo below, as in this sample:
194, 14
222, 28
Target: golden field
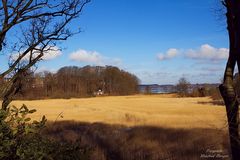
145, 110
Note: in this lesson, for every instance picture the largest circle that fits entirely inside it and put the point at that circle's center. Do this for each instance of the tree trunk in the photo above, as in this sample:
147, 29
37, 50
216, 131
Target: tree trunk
227, 89
232, 116
11, 88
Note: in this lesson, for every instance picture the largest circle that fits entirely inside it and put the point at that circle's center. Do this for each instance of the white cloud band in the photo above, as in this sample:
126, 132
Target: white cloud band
205, 51
48, 54
93, 57
171, 53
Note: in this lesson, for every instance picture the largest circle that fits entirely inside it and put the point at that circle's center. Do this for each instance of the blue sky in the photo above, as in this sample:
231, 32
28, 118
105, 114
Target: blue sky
157, 40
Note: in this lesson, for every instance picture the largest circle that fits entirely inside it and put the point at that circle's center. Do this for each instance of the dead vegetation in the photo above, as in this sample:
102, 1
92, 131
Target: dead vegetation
118, 142
154, 110
140, 127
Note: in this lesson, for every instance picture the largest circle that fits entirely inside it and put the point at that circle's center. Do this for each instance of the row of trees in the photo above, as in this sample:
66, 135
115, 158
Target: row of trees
78, 82
185, 89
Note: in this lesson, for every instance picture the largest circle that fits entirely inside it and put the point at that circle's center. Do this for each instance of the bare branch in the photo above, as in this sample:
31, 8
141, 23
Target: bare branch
39, 24
34, 9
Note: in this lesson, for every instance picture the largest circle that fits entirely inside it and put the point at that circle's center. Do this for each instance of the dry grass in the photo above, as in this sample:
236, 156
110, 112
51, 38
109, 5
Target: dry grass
154, 110
117, 142
140, 127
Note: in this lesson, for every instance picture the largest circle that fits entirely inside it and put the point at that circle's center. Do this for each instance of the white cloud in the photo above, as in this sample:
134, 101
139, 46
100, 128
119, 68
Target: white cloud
207, 51
93, 57
171, 53
43, 68
213, 69
50, 53
86, 56
159, 77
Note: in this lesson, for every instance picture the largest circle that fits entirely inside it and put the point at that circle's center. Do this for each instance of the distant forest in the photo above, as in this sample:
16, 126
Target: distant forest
74, 81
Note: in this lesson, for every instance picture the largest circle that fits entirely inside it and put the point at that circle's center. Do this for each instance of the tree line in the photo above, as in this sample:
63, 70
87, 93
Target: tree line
185, 89
72, 81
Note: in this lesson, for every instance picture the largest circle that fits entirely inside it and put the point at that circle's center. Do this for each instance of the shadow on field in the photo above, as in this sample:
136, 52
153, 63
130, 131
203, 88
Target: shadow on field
117, 142
213, 102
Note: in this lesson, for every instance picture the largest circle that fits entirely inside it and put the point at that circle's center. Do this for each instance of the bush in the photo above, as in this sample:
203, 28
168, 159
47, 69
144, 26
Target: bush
14, 127
20, 139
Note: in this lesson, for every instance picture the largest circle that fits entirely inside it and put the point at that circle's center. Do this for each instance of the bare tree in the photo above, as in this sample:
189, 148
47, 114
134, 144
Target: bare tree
182, 87
38, 25
227, 88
